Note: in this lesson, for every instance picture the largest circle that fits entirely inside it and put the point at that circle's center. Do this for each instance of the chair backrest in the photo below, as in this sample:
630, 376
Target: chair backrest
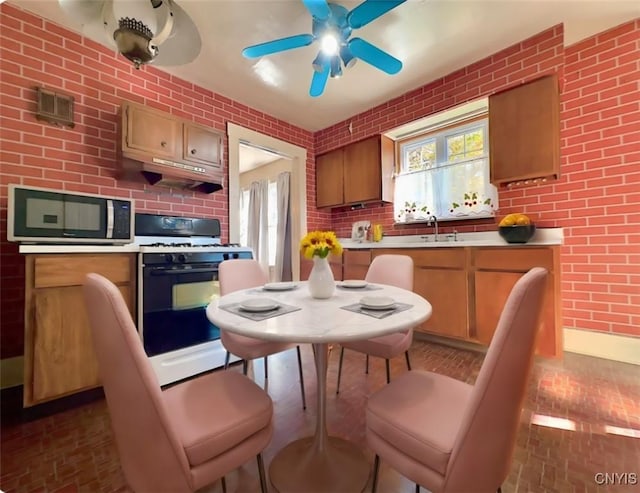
237, 274
150, 451
482, 453
395, 270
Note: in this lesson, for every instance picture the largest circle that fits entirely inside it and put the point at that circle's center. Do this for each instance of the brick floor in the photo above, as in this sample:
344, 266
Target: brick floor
72, 450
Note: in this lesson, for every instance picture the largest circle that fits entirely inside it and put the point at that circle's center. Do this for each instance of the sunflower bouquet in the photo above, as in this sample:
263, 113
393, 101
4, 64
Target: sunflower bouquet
320, 244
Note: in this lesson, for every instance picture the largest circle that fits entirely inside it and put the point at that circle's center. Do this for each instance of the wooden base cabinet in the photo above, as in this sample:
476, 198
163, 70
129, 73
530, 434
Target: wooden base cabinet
59, 356
496, 270
355, 263
440, 277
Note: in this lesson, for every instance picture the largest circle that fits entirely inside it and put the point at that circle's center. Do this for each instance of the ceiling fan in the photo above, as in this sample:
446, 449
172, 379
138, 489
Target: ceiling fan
144, 31
332, 26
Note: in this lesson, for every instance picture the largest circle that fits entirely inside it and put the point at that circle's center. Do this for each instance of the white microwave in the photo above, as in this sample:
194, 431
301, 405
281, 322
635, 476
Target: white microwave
42, 215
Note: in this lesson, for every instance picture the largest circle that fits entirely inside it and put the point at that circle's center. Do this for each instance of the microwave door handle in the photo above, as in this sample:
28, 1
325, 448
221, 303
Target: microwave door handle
110, 215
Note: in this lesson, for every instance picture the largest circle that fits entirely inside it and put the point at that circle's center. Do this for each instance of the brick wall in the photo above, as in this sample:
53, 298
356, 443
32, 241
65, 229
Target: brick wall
35, 52
597, 198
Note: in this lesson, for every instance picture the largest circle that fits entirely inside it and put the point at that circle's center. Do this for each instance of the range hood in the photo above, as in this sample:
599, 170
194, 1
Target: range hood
167, 173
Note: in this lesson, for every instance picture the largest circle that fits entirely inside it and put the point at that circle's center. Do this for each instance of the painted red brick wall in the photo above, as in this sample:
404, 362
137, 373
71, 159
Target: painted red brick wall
35, 52
597, 198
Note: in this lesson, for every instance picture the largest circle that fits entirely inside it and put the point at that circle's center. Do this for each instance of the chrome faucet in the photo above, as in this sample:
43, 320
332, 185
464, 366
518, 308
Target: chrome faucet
434, 219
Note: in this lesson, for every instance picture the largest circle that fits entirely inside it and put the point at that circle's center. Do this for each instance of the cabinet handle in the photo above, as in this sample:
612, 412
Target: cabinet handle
163, 144
193, 152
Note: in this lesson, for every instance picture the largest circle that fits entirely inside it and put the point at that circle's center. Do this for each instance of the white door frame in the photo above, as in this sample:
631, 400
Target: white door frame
237, 134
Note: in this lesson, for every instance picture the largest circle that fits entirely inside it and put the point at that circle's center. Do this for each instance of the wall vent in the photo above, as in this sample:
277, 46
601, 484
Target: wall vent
54, 107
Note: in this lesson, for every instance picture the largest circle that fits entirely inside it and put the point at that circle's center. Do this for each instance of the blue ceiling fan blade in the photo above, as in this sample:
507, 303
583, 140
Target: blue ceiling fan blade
318, 8
277, 45
370, 10
374, 56
319, 79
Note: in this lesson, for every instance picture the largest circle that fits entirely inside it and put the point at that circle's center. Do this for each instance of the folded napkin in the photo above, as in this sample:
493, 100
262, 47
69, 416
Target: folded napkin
257, 316
358, 308
368, 287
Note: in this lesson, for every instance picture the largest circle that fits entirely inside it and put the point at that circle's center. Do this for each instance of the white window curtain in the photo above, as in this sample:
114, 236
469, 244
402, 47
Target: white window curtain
258, 226
283, 270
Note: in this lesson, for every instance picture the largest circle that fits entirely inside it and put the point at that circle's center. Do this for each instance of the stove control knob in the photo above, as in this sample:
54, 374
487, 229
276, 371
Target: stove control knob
170, 258
235, 255
182, 258
225, 256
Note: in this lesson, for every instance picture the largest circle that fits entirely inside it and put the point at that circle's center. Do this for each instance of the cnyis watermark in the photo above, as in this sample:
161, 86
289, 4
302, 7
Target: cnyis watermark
616, 478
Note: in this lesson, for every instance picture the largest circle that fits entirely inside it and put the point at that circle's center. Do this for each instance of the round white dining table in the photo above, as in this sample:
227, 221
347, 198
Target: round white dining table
320, 463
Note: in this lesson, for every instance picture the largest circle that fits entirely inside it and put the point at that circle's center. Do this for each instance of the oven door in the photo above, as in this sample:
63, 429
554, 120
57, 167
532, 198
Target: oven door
174, 300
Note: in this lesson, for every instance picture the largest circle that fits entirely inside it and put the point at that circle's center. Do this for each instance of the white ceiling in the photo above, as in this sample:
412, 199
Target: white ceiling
432, 38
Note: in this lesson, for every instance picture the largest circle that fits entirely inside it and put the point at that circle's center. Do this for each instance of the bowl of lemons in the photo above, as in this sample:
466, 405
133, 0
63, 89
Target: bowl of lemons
516, 228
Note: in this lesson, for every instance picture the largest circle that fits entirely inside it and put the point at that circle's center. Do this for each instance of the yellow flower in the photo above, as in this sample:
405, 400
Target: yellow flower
320, 244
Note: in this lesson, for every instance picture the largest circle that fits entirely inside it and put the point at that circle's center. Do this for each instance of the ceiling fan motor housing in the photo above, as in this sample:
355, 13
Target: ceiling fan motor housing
133, 40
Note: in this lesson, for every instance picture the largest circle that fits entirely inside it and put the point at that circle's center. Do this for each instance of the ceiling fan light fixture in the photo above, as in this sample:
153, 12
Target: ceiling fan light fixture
347, 57
133, 39
319, 62
329, 43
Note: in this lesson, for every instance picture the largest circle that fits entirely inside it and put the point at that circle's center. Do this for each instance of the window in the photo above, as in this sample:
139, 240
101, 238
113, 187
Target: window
444, 172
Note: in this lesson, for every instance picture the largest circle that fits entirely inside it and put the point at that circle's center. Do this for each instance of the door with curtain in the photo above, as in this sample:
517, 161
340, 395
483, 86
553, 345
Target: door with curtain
265, 224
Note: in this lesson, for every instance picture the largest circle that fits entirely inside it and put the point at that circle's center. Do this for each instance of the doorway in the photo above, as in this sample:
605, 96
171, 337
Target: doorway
239, 136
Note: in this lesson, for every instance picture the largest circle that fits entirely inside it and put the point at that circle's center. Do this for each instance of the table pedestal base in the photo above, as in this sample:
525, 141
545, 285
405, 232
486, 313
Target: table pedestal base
340, 467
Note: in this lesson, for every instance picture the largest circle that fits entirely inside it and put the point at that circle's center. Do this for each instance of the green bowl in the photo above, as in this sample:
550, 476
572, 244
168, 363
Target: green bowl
517, 233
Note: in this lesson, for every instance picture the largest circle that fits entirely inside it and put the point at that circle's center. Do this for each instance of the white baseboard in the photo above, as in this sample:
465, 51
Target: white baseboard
11, 372
603, 345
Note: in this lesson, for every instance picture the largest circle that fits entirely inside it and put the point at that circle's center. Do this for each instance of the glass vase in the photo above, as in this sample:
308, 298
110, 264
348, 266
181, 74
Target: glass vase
321, 283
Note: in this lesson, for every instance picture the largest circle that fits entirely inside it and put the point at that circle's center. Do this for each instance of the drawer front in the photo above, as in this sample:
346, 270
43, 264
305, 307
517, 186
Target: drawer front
443, 258
356, 257
513, 259
70, 270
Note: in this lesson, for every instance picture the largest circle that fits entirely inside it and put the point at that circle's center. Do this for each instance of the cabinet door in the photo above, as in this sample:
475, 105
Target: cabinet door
446, 290
202, 146
362, 171
355, 263
524, 132
329, 179
151, 132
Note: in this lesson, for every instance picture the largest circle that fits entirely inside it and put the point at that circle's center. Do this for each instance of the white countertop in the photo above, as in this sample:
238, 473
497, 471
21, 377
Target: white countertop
542, 237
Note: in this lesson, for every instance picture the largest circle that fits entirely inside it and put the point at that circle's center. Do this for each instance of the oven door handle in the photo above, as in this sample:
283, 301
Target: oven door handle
170, 272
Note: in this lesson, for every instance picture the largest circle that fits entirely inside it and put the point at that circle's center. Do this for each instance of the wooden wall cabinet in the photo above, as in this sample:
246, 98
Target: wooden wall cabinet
440, 276
170, 151
59, 356
357, 173
524, 132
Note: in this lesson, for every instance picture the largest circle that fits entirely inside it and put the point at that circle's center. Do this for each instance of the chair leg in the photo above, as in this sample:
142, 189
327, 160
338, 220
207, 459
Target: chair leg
406, 355
245, 366
340, 370
223, 482
366, 368
376, 467
266, 368
263, 479
386, 363
499, 489
417, 488
226, 360
304, 398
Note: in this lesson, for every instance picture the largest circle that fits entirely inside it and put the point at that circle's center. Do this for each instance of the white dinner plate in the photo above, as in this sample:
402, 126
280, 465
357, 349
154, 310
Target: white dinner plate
377, 302
279, 286
259, 305
354, 283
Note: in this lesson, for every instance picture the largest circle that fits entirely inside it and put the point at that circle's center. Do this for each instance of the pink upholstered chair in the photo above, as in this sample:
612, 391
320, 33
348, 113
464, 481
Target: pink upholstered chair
449, 436
235, 275
182, 438
395, 270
